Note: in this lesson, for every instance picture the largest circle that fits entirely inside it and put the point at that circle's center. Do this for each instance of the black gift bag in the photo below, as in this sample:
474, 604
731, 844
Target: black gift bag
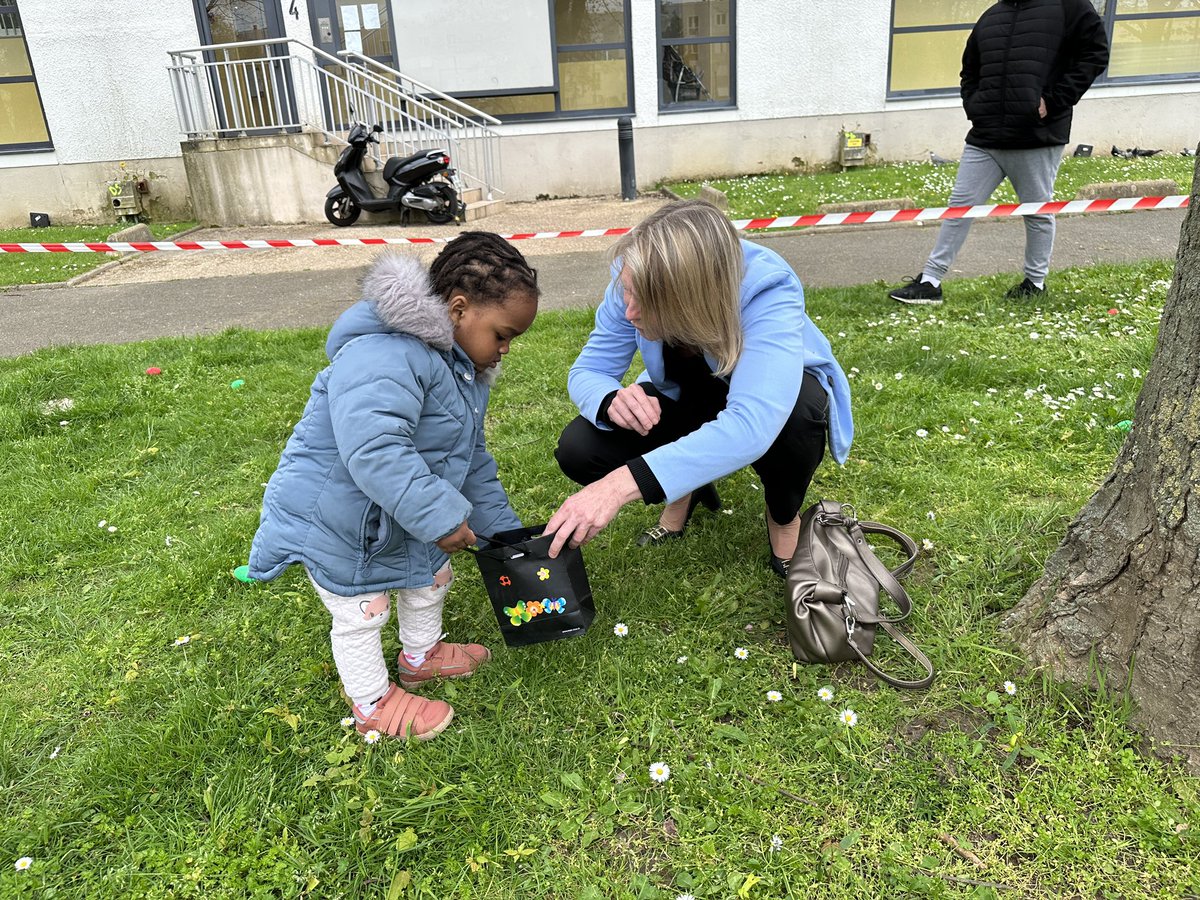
535, 598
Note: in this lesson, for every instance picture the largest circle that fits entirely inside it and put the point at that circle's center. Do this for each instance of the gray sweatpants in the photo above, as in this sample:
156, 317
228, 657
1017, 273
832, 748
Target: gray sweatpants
980, 172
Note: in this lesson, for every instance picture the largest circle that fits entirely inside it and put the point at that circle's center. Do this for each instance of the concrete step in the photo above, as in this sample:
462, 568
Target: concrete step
481, 209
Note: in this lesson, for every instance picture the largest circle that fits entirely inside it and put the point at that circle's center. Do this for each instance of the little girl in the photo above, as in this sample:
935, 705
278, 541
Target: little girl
386, 473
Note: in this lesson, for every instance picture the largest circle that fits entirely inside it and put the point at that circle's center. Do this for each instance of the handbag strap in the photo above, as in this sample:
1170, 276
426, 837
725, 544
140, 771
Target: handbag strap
886, 577
907, 544
887, 580
913, 650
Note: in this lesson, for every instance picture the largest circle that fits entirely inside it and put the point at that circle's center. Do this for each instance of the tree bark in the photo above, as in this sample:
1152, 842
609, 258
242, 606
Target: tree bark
1120, 597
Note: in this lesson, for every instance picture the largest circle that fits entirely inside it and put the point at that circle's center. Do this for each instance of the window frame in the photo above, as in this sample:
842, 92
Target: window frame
1110, 16
558, 113
695, 105
31, 78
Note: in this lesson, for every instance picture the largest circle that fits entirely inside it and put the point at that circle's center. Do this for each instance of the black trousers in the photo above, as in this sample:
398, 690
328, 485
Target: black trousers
586, 453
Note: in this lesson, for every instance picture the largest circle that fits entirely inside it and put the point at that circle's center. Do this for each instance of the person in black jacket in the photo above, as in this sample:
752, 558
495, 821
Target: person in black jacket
1026, 64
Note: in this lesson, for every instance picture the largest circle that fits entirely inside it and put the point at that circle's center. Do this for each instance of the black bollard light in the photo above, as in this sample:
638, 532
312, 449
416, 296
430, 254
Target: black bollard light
625, 146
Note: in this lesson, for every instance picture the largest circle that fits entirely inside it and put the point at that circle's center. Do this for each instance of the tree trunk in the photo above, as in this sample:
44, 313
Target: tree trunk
1120, 597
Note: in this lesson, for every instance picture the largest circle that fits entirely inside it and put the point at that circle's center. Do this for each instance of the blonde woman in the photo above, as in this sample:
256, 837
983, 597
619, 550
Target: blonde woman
736, 374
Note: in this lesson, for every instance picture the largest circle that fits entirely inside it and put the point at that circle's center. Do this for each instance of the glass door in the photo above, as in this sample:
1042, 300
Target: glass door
361, 27
251, 85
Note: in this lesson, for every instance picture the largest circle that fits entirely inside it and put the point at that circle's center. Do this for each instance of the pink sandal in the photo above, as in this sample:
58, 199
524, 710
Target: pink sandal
444, 660
404, 715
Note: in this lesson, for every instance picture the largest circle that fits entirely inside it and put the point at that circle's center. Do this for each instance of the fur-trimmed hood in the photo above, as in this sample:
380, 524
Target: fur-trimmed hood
397, 297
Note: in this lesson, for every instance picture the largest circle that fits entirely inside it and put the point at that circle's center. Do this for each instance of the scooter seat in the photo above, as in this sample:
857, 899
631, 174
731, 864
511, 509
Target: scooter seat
398, 162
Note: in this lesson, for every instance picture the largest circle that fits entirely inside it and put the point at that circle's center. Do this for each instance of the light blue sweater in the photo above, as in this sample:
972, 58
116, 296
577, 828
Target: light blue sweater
780, 344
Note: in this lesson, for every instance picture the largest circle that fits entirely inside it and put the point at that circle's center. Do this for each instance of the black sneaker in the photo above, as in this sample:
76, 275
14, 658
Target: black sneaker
917, 292
1024, 291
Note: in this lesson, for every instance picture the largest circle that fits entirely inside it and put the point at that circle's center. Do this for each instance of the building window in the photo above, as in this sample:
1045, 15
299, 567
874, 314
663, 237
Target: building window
696, 54
1153, 40
22, 121
593, 67
1150, 40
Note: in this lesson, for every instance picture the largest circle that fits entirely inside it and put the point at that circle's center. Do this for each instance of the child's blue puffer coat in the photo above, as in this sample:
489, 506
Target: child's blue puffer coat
389, 455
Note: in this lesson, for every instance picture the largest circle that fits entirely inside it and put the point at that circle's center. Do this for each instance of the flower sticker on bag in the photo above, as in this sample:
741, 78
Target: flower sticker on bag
534, 608
505, 581
543, 573
517, 614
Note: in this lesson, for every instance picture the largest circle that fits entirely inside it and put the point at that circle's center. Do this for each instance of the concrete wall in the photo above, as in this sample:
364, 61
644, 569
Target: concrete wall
261, 180
77, 193
102, 75
585, 162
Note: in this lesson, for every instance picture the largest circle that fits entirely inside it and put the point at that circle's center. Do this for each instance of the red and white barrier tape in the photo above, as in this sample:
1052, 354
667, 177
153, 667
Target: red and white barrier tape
851, 218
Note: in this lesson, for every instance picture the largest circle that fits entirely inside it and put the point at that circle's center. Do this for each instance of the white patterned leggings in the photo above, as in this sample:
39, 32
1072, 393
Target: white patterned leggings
358, 621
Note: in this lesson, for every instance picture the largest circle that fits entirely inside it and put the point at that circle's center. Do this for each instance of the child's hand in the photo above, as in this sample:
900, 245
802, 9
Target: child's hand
459, 539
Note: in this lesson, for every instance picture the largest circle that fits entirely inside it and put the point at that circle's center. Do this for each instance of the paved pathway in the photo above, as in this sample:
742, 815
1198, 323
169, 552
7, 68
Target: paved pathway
146, 297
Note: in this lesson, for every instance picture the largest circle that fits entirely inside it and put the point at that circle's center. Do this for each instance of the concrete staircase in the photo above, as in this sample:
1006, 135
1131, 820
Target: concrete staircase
279, 179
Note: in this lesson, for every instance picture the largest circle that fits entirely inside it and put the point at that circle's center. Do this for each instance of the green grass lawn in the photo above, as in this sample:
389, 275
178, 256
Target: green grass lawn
136, 763
39, 268
925, 183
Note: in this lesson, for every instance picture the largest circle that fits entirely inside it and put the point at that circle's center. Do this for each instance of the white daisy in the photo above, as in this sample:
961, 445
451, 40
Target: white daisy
825, 694
621, 629
776, 843
112, 529
54, 753
686, 897
347, 722
1010, 688
931, 515
182, 639
848, 717
371, 737
681, 660
659, 772
23, 863
774, 696
921, 432
926, 544
102, 523
741, 653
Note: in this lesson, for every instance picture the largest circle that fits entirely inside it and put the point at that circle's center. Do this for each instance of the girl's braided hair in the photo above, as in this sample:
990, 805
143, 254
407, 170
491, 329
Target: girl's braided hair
484, 267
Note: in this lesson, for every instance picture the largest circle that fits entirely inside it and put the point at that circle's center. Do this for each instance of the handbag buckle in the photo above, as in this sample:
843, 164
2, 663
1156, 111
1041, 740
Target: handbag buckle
851, 621
846, 518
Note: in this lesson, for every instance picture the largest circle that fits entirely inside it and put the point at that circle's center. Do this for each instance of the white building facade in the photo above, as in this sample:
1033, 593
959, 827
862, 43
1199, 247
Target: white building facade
713, 87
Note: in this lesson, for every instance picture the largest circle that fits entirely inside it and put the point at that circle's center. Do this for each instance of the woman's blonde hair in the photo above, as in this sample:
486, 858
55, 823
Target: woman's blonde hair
685, 265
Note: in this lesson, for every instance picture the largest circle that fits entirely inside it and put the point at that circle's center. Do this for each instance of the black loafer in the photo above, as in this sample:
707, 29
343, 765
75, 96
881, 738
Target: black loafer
658, 534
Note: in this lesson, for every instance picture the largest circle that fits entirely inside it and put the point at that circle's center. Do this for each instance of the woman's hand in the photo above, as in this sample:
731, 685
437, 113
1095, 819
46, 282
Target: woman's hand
459, 539
632, 408
585, 513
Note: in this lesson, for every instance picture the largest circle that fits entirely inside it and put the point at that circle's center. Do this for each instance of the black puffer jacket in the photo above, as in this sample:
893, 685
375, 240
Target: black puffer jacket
1021, 51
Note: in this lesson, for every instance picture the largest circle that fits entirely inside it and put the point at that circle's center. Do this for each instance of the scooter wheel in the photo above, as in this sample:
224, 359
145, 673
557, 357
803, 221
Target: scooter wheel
342, 211
447, 205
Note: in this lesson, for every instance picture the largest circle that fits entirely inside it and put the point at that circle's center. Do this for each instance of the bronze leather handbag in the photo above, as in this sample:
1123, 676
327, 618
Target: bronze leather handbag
833, 587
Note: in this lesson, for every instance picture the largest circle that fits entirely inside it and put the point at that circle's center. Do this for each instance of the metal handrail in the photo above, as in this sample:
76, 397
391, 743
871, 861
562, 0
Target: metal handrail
308, 89
423, 87
474, 145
